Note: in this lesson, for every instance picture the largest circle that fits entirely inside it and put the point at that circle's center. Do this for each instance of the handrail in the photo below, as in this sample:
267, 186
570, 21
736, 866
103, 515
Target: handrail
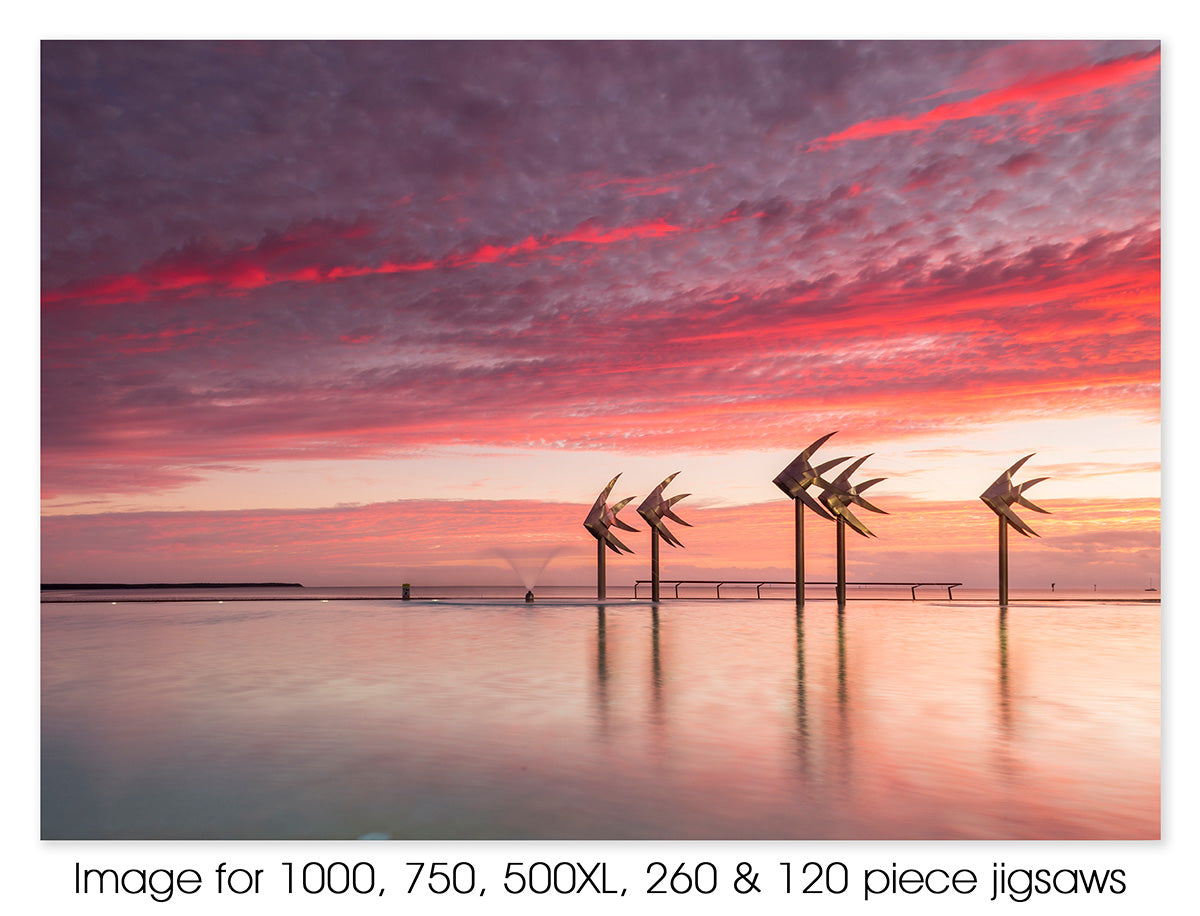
759, 583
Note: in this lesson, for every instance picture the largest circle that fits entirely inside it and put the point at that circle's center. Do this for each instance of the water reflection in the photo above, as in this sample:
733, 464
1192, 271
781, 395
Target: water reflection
836, 775
657, 715
1006, 762
843, 767
689, 719
802, 750
601, 673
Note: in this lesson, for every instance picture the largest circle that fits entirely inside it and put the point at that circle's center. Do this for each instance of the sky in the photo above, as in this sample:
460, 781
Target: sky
363, 313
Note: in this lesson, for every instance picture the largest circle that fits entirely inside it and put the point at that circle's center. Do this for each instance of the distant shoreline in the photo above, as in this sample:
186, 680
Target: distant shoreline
62, 586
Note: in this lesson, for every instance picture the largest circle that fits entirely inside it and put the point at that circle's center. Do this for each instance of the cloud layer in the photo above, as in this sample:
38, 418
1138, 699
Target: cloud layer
256, 252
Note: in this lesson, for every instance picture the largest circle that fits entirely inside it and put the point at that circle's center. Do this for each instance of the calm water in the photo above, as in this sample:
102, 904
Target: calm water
481, 718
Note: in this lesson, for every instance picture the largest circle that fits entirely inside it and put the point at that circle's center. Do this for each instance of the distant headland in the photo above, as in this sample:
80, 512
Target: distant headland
50, 586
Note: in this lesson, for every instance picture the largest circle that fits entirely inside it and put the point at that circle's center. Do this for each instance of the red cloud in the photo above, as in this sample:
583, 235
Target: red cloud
199, 270
1005, 338
1024, 95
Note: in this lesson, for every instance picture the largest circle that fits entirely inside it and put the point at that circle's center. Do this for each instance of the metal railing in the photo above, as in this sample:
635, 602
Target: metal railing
758, 584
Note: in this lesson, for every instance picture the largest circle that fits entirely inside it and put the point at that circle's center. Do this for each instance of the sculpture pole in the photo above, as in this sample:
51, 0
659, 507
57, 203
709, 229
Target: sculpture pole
999, 497
600, 585
841, 561
799, 551
599, 522
794, 480
654, 509
838, 496
654, 565
1003, 561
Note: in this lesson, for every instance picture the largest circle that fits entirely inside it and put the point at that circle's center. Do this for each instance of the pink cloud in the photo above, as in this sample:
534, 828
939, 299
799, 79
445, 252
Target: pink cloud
1027, 334
1024, 96
202, 270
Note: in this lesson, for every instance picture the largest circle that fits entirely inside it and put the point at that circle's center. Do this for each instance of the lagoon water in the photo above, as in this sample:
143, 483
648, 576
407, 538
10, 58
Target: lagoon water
347, 714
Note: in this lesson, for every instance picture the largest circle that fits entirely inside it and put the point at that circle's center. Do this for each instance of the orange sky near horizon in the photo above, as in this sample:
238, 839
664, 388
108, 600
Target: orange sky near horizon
1113, 543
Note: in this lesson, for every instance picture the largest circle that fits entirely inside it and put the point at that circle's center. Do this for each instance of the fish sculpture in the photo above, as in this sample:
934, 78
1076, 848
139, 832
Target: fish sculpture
798, 476
840, 494
602, 517
655, 508
1003, 493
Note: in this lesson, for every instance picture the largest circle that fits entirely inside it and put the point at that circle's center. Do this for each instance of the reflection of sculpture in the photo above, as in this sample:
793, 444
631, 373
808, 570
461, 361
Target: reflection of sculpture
838, 496
795, 480
654, 509
599, 522
999, 497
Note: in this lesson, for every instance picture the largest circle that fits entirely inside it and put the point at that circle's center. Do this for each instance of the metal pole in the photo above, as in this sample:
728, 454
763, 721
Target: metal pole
799, 551
654, 564
1003, 561
841, 561
600, 583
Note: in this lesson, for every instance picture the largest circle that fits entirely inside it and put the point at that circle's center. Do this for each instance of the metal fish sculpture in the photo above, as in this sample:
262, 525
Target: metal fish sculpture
798, 476
602, 517
840, 494
1003, 493
655, 508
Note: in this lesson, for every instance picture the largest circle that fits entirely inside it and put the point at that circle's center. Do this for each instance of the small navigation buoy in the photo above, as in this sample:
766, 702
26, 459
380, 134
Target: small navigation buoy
405, 593
529, 597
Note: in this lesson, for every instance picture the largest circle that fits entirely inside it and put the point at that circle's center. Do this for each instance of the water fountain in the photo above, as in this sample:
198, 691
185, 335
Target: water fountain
529, 568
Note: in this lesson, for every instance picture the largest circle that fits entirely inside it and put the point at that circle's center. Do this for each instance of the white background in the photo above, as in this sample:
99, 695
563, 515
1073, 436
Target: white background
1161, 876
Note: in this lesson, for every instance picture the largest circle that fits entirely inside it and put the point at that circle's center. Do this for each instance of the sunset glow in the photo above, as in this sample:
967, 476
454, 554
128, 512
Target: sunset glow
357, 313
